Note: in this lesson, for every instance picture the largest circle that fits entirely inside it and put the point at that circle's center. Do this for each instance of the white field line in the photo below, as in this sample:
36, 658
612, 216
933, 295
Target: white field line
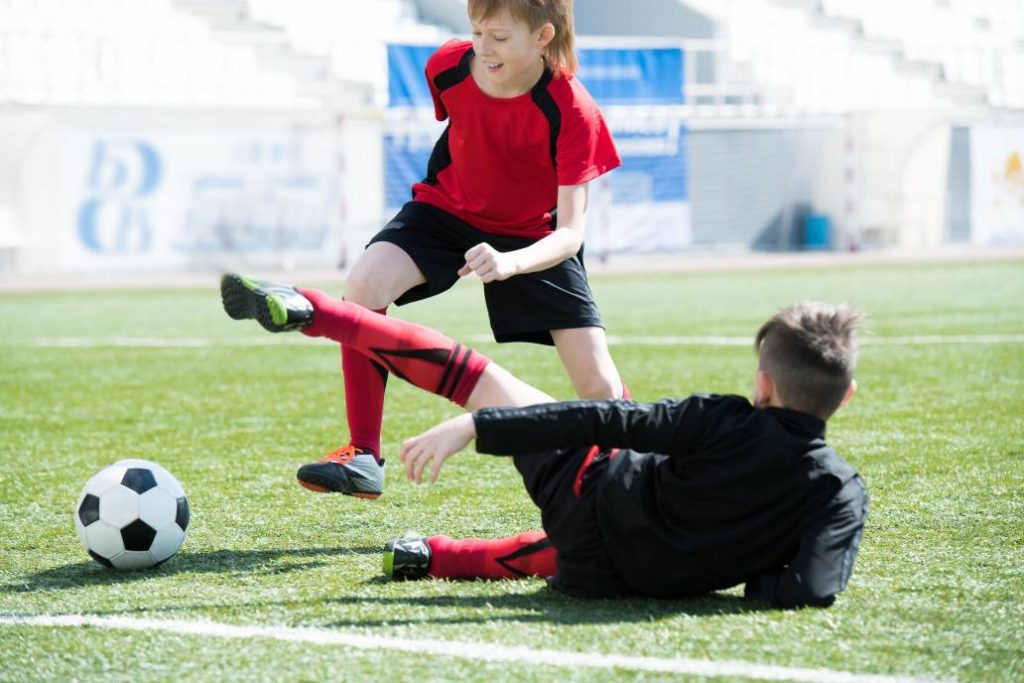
920, 340
300, 340
162, 342
488, 652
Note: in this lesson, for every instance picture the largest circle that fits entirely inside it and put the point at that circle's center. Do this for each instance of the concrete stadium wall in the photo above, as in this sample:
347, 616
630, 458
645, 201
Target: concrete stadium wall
752, 187
903, 170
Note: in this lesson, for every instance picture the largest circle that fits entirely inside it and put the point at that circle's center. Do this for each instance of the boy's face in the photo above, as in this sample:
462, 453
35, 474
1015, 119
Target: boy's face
509, 52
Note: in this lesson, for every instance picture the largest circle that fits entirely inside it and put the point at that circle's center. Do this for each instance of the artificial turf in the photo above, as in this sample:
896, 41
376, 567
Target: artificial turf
87, 378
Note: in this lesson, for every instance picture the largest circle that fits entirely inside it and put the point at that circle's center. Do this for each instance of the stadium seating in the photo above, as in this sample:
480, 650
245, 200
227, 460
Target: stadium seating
827, 56
849, 55
200, 53
807, 56
127, 53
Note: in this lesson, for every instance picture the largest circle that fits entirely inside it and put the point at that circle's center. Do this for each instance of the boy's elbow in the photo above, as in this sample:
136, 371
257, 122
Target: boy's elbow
573, 240
810, 596
821, 601
785, 590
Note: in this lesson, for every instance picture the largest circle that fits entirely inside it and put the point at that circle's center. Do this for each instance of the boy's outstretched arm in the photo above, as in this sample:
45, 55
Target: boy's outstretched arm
668, 427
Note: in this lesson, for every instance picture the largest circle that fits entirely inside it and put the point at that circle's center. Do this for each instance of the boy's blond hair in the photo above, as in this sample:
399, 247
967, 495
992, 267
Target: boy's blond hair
561, 52
810, 352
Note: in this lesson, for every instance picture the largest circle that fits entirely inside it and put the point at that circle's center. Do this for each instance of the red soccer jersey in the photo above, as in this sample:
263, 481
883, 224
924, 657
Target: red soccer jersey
499, 163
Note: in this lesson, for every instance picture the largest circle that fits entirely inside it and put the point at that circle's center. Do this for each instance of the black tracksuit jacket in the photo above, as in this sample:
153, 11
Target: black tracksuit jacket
710, 493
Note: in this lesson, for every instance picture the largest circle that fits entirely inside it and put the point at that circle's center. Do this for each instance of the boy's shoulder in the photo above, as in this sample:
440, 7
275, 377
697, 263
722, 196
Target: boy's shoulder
728, 402
448, 55
566, 84
570, 94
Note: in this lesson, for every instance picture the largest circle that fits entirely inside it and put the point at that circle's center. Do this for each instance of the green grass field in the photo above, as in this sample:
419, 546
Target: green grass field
937, 431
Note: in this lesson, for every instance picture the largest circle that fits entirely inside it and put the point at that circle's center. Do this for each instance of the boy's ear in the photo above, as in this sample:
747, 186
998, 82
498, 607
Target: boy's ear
545, 34
850, 391
764, 388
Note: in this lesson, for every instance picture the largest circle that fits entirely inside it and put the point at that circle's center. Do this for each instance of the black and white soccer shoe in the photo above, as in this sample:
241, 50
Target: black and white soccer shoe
407, 557
277, 307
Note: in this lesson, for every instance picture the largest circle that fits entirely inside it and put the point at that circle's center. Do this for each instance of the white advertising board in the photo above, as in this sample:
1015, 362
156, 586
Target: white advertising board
997, 185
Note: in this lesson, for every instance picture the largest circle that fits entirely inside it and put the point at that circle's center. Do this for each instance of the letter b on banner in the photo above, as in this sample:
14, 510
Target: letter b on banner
114, 219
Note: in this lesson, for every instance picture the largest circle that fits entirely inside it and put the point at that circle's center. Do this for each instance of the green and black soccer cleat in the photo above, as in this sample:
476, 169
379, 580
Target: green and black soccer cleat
277, 307
407, 557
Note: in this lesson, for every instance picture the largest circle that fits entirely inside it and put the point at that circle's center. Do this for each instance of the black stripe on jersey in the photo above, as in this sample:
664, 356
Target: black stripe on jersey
440, 158
454, 75
542, 98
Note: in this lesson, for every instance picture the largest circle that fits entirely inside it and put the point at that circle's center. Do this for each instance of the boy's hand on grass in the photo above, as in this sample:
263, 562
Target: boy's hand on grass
436, 445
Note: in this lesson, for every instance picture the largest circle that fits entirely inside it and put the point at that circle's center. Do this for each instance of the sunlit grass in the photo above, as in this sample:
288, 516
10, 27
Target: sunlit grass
935, 430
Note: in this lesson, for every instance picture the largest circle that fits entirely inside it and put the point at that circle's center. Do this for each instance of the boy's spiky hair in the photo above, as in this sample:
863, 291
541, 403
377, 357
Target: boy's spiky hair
561, 52
810, 352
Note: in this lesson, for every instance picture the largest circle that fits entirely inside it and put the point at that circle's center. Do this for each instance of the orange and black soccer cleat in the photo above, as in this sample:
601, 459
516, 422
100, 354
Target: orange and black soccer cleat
348, 470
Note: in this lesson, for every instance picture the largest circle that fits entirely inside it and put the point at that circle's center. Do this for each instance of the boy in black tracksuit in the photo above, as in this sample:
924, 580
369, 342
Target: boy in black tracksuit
706, 493
712, 492
709, 492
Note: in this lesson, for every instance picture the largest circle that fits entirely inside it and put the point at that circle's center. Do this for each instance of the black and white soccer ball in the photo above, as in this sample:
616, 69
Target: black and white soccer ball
132, 515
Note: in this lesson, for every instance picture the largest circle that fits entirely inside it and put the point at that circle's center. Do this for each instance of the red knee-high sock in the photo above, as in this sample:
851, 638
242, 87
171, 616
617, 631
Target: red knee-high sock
417, 354
365, 382
625, 390
527, 554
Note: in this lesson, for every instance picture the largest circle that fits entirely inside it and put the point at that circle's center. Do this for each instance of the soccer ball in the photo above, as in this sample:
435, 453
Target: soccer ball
132, 515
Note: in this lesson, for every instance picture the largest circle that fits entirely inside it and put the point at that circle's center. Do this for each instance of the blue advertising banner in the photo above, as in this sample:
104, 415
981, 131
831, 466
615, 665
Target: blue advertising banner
647, 198
407, 84
633, 76
653, 163
405, 162
628, 76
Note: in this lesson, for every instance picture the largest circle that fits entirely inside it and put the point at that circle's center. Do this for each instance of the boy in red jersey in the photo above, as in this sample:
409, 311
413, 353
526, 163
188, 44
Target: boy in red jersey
706, 493
505, 199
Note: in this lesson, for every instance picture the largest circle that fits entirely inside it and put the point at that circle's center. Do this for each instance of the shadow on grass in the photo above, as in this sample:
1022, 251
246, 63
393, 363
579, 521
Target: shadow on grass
545, 605
248, 562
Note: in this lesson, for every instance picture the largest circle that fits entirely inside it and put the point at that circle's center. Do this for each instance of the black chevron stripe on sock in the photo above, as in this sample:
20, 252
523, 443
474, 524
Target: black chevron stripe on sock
434, 356
534, 547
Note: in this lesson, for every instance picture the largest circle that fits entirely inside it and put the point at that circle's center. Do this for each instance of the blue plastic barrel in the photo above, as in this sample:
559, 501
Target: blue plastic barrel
817, 231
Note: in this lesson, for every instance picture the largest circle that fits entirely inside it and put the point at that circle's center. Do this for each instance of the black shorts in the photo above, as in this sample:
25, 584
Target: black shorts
584, 564
522, 308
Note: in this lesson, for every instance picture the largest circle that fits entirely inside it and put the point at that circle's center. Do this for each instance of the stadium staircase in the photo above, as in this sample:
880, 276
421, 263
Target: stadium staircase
790, 56
825, 56
334, 49
254, 54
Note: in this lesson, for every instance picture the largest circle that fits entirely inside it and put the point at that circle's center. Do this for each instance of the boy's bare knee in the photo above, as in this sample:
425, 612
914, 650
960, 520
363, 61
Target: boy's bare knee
599, 387
366, 292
